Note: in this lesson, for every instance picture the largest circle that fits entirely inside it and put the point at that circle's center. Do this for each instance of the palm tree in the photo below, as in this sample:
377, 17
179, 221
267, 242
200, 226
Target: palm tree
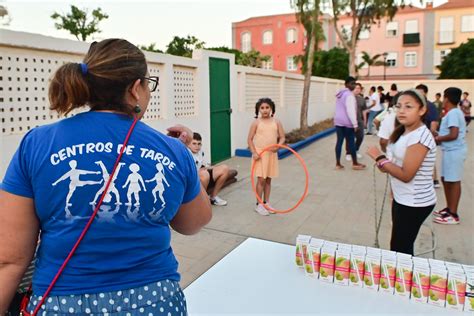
369, 61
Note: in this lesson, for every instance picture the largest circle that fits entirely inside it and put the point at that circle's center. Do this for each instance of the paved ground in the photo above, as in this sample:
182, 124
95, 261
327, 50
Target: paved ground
339, 207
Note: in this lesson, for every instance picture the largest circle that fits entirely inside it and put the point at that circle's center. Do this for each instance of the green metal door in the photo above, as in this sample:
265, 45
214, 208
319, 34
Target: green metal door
219, 82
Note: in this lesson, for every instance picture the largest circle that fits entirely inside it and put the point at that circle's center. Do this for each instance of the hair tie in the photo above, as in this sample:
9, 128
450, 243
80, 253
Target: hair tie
83, 68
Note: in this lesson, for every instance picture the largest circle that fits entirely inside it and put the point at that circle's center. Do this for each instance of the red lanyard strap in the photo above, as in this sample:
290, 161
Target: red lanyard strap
86, 228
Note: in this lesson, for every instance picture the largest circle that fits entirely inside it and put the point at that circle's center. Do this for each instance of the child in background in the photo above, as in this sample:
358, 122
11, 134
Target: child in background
451, 137
410, 161
216, 175
264, 131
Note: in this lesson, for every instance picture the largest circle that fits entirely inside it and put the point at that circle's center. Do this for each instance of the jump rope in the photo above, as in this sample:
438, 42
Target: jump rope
26, 298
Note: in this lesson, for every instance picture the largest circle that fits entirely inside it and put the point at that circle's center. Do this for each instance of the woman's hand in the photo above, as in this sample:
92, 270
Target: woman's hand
181, 132
255, 156
373, 152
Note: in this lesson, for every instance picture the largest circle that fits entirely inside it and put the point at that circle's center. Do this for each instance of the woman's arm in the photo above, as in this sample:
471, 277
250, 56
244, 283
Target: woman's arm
281, 133
192, 216
19, 229
414, 156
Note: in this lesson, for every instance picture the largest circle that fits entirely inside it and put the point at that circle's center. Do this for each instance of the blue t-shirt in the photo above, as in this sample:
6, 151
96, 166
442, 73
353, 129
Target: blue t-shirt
431, 114
64, 167
454, 118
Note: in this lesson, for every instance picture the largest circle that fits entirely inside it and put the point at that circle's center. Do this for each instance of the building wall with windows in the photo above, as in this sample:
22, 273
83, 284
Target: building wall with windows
454, 25
402, 40
279, 36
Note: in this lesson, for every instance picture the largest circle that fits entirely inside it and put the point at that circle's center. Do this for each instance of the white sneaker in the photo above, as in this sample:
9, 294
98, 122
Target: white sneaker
348, 157
359, 156
218, 201
269, 208
260, 209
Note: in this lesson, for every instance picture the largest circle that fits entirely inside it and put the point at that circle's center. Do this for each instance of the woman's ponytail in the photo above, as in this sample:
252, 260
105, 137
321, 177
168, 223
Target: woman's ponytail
68, 88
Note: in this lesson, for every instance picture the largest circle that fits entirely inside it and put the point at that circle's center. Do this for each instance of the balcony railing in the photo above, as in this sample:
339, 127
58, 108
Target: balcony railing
411, 39
446, 37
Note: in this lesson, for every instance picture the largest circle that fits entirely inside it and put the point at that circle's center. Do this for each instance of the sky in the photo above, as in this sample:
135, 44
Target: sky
143, 22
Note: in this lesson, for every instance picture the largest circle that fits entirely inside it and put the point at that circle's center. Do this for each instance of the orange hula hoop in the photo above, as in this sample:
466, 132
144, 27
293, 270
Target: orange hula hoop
303, 164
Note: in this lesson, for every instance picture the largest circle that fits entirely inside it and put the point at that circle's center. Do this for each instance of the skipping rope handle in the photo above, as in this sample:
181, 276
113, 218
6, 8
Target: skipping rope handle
26, 299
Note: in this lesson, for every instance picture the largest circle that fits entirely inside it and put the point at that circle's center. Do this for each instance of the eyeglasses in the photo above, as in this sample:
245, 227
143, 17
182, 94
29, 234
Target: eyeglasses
152, 82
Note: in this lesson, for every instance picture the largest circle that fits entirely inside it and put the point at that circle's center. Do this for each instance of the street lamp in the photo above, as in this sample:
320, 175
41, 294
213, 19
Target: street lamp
384, 64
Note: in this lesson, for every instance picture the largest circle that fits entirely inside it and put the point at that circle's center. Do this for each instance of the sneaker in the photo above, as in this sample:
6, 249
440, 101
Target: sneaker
447, 219
348, 157
441, 212
269, 208
260, 209
218, 201
359, 156
436, 184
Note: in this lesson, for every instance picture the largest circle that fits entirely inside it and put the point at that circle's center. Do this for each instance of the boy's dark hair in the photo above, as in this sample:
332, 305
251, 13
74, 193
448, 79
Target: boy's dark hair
393, 87
373, 89
197, 136
438, 94
359, 84
422, 87
453, 95
380, 88
267, 101
349, 79
466, 93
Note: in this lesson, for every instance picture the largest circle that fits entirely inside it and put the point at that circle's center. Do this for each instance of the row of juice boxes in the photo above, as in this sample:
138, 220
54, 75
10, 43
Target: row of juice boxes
431, 281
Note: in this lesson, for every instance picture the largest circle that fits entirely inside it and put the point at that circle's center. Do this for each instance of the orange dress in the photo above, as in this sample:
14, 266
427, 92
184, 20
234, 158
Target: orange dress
265, 135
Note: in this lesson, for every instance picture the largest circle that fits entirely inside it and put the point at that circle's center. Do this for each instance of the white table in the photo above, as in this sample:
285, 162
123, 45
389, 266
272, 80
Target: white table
260, 277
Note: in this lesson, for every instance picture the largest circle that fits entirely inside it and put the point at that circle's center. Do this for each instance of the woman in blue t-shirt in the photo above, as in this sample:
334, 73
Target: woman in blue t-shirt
124, 264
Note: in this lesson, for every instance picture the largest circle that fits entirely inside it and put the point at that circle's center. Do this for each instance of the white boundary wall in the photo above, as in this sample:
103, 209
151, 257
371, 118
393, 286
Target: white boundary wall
28, 61
434, 86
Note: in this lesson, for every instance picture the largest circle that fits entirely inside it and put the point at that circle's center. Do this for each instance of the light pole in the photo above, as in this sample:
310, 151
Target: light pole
384, 64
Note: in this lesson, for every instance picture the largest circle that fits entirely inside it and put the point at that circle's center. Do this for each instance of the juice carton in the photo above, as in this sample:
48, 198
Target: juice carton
358, 249
455, 267
387, 277
434, 262
468, 268
403, 277
375, 251
330, 244
438, 285
389, 253
356, 273
417, 261
341, 274
302, 242
372, 271
326, 269
312, 269
469, 299
420, 283
456, 295
342, 246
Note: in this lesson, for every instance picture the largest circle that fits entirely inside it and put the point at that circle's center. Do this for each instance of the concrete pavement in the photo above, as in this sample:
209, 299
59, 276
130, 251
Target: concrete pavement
339, 207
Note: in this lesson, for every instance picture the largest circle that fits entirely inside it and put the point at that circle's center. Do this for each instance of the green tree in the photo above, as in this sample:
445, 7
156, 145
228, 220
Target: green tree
307, 14
79, 23
459, 64
151, 48
364, 14
252, 58
331, 64
5, 17
369, 61
184, 46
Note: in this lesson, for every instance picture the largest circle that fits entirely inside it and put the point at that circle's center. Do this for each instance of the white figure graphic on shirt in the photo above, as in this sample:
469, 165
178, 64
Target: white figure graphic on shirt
160, 188
105, 214
133, 215
133, 182
112, 188
74, 175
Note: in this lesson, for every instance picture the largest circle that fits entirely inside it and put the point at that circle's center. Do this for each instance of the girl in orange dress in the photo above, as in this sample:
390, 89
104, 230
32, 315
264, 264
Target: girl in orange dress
264, 131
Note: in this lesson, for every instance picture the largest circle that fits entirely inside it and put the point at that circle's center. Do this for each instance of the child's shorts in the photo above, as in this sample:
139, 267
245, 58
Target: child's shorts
452, 165
157, 298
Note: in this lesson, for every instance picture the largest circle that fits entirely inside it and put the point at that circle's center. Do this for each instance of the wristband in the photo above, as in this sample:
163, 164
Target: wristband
381, 164
380, 157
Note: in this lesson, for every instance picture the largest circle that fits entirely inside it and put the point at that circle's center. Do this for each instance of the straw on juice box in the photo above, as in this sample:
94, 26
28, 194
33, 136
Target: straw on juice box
438, 284
469, 299
341, 267
420, 283
372, 271
356, 272
326, 269
312, 269
455, 296
403, 277
302, 242
387, 278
